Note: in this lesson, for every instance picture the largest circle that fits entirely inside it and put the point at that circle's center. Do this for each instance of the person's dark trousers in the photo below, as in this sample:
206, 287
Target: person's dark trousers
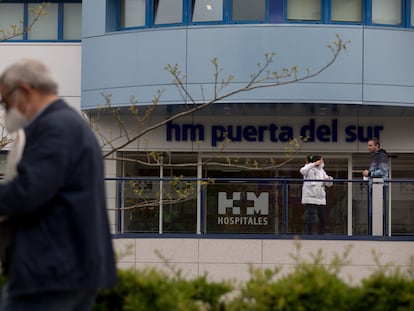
321, 215
79, 300
310, 217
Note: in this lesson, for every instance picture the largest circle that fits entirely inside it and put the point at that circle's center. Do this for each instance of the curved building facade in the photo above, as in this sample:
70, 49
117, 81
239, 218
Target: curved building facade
367, 92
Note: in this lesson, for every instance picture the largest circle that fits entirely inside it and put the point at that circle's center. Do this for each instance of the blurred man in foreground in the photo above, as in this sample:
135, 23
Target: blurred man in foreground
59, 250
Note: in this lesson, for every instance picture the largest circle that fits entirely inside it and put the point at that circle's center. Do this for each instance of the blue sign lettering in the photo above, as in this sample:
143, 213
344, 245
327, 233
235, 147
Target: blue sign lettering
273, 133
187, 130
323, 133
361, 134
251, 133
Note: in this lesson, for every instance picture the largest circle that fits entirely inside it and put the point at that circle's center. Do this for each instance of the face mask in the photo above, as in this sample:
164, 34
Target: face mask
14, 120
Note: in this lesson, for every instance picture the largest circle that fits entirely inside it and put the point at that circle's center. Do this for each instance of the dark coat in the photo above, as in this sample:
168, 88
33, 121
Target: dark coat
60, 238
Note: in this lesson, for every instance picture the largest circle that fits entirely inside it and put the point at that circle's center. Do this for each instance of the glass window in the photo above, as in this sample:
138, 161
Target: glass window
247, 10
207, 10
46, 27
72, 21
11, 15
168, 11
346, 10
307, 10
132, 13
141, 197
386, 12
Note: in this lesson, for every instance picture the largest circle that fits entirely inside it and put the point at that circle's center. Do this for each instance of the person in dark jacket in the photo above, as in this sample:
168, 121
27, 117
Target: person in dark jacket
60, 250
379, 167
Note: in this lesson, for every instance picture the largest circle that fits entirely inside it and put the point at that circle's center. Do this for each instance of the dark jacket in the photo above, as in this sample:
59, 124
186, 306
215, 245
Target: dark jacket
379, 165
60, 238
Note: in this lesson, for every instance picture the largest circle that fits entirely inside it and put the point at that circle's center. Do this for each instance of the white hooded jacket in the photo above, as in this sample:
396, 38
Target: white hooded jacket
313, 192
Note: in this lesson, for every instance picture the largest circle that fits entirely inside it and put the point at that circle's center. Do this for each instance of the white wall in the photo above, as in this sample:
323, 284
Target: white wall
225, 259
63, 59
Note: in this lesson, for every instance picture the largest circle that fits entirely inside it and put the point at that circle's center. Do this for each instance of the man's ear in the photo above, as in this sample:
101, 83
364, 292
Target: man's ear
26, 88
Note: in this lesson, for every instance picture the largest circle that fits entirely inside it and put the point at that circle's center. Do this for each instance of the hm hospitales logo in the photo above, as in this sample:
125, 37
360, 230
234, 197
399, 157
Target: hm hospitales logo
243, 208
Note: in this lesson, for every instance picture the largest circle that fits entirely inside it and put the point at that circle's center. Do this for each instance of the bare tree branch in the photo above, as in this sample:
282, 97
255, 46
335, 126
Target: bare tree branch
263, 78
15, 31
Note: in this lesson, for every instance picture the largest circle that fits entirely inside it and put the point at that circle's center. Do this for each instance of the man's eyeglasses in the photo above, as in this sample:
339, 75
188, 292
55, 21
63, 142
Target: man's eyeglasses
6, 97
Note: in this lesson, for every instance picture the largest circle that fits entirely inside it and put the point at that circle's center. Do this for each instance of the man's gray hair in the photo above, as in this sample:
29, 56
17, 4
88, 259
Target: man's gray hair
31, 72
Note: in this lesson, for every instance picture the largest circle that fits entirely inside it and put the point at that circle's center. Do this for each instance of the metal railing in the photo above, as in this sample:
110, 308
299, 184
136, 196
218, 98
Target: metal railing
259, 206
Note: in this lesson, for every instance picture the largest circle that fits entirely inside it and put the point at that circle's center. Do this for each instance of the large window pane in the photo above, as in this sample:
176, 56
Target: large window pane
46, 27
72, 21
386, 12
247, 10
207, 10
304, 10
169, 12
132, 13
11, 14
346, 10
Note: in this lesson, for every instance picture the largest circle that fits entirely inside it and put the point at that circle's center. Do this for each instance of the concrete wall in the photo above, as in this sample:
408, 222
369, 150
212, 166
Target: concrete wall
226, 259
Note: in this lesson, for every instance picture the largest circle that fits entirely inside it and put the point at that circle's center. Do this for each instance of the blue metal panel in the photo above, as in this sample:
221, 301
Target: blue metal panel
94, 18
376, 67
276, 11
388, 57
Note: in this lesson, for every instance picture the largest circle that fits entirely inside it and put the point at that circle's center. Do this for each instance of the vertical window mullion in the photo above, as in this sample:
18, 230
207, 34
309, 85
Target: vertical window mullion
118, 14
325, 11
408, 11
227, 11
369, 12
186, 12
276, 12
25, 20
149, 13
60, 21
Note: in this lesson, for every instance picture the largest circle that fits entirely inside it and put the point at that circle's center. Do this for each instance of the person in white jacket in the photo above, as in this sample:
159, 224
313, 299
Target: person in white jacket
313, 191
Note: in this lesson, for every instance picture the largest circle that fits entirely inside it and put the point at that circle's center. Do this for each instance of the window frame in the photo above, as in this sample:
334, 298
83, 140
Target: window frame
60, 23
275, 13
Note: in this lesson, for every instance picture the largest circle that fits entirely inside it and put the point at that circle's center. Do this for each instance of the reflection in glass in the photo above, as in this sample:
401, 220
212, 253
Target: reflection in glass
207, 10
386, 12
169, 12
402, 214
360, 208
306, 10
132, 13
46, 27
139, 216
72, 21
11, 14
346, 10
247, 10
